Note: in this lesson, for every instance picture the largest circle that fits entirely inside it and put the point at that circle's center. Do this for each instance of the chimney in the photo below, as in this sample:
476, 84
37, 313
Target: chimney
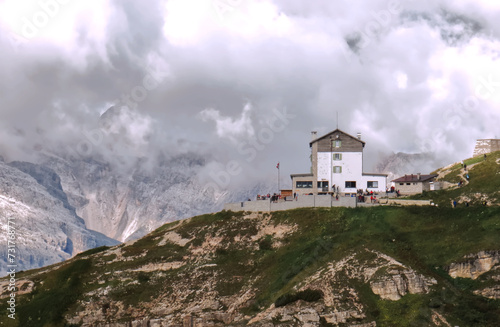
314, 135
359, 136
419, 176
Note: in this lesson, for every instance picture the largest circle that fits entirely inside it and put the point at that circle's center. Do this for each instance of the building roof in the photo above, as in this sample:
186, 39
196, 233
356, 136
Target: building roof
333, 132
415, 178
374, 174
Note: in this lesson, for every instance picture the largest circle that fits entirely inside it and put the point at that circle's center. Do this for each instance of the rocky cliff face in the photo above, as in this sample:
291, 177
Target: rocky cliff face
47, 229
128, 205
475, 265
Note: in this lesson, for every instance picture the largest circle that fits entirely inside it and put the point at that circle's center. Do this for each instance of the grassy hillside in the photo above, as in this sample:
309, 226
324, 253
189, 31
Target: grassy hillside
426, 238
484, 182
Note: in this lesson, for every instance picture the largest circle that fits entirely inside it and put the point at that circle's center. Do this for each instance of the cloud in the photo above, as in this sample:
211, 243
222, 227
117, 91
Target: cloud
227, 127
405, 74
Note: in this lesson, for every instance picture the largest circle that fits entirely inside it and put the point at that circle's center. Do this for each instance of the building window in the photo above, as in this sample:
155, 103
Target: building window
350, 184
373, 184
408, 183
337, 156
337, 169
323, 184
304, 184
338, 143
401, 183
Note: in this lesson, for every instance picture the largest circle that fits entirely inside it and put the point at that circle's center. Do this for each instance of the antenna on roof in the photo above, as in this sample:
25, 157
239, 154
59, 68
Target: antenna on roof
337, 119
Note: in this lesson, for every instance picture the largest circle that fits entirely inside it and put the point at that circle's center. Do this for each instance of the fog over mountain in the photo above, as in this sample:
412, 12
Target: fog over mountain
208, 77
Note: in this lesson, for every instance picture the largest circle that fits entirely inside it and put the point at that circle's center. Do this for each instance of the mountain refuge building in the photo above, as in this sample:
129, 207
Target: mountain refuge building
337, 167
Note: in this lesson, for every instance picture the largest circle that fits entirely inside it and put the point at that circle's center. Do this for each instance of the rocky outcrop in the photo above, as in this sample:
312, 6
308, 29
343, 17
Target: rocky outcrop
490, 292
475, 265
397, 282
485, 264
341, 303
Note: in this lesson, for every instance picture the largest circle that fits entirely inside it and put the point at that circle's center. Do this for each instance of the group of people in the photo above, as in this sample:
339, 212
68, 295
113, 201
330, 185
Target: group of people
362, 195
273, 198
362, 199
392, 190
264, 196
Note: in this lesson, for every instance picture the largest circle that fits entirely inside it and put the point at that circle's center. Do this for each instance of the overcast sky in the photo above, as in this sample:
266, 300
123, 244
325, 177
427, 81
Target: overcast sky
247, 81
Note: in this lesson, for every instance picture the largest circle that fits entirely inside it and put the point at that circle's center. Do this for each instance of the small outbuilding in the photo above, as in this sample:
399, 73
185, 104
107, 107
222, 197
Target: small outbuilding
414, 183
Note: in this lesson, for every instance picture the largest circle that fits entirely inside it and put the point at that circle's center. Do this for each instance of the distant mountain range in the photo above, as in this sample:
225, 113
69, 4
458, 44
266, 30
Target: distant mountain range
398, 164
65, 206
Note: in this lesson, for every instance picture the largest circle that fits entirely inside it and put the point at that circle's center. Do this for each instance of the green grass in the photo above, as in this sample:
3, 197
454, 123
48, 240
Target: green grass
47, 303
484, 179
454, 175
474, 160
307, 295
93, 251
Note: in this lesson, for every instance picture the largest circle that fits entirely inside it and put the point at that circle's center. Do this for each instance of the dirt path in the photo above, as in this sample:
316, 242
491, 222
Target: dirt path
444, 171
462, 172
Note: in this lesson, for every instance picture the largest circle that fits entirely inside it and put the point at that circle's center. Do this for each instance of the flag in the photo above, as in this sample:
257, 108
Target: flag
278, 165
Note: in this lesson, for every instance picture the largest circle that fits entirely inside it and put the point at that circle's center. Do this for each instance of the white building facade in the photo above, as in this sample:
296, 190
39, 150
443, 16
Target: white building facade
337, 166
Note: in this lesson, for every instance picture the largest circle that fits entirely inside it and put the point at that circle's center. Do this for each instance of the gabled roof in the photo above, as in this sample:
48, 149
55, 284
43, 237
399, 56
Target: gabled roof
415, 178
333, 132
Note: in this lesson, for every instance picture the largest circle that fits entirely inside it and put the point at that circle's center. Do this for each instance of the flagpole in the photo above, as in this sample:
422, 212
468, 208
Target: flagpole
279, 190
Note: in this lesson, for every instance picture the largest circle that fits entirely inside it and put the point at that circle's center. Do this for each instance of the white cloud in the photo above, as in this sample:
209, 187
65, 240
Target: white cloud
233, 129
401, 79
77, 29
190, 22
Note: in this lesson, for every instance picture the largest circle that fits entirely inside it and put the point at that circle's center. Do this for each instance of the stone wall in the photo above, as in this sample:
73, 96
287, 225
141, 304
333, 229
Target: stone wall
316, 201
304, 201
